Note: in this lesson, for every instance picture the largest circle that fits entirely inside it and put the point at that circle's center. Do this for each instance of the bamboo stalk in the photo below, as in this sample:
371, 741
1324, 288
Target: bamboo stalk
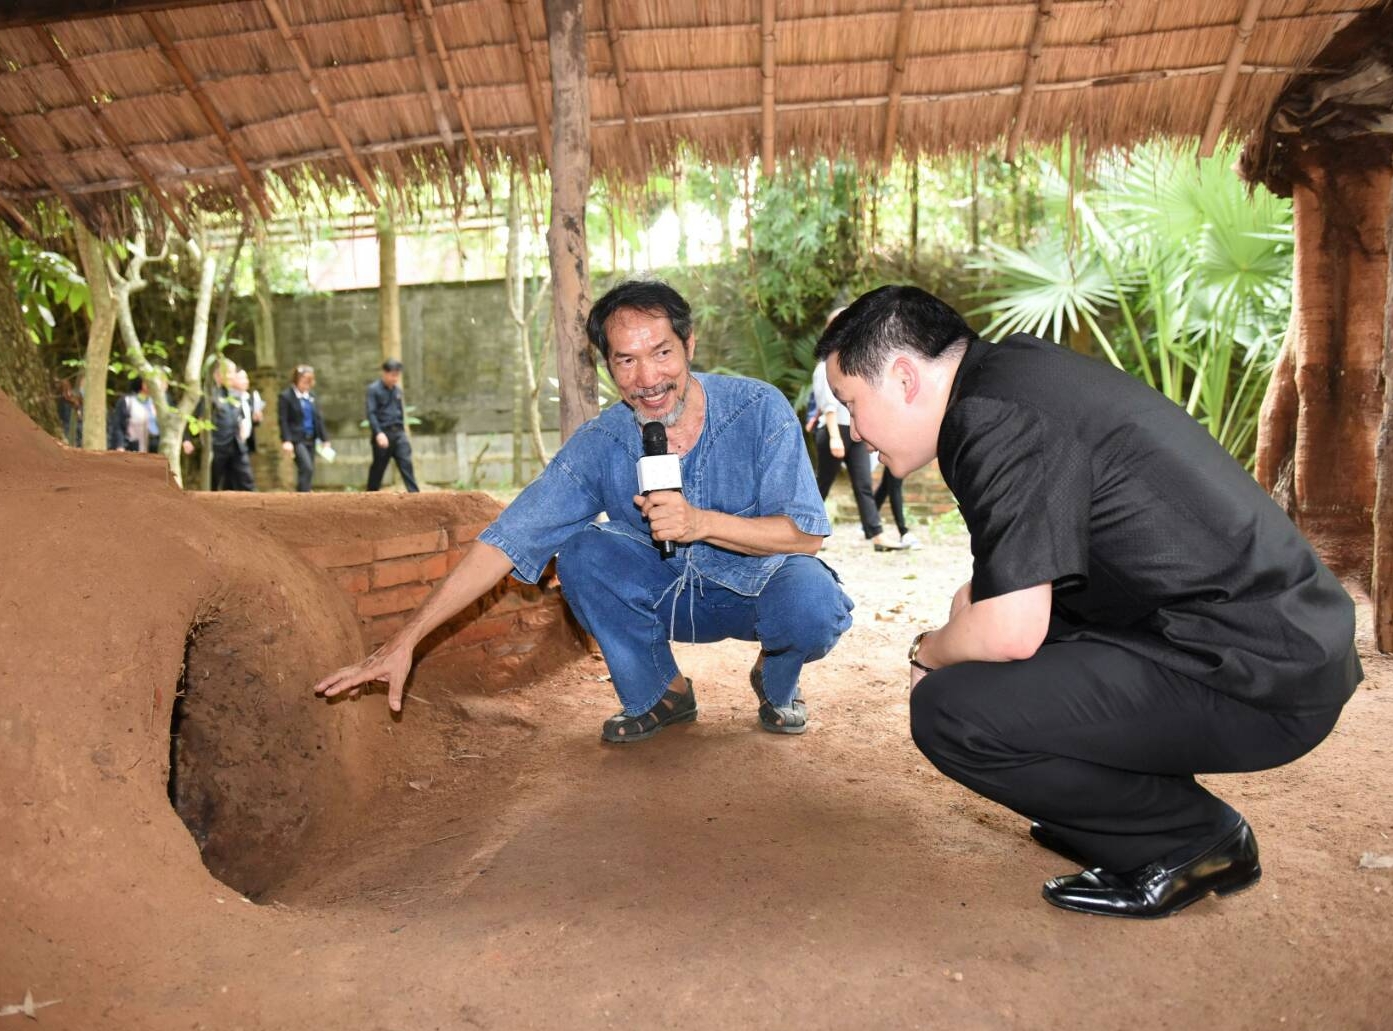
210, 113
108, 130
518, 10
447, 60
897, 67
1243, 32
428, 80
767, 72
1043, 15
326, 109
621, 80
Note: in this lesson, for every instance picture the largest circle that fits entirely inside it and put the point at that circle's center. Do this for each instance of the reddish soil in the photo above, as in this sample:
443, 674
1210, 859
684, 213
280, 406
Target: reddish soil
484, 863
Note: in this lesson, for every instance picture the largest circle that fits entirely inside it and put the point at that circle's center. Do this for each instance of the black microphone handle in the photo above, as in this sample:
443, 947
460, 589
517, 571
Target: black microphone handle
666, 549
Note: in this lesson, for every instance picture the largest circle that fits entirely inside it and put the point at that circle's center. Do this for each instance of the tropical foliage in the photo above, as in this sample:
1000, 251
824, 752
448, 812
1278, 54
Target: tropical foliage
1165, 265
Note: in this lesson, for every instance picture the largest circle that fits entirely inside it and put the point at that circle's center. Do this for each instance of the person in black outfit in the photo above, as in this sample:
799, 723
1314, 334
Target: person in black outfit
1139, 612
387, 421
133, 424
232, 422
302, 425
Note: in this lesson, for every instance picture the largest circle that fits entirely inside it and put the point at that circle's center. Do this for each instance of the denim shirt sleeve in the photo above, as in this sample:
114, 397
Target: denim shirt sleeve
786, 482
550, 509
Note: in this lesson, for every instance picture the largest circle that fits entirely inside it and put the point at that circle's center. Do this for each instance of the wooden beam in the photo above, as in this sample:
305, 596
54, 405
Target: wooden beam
15, 219
16, 13
767, 20
518, 9
210, 113
326, 109
428, 80
108, 130
1381, 588
447, 60
621, 81
1044, 11
41, 171
897, 66
1243, 32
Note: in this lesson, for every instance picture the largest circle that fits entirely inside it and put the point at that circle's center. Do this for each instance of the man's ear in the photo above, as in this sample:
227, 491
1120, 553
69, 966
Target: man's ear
690, 346
904, 374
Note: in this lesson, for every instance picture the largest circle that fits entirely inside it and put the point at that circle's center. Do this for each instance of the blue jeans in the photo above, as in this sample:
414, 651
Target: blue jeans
634, 603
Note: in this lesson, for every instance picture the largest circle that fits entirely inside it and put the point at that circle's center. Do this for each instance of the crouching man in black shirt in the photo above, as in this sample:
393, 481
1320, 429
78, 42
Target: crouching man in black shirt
1139, 612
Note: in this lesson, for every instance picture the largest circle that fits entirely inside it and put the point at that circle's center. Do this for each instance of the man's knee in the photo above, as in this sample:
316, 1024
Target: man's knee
942, 721
803, 609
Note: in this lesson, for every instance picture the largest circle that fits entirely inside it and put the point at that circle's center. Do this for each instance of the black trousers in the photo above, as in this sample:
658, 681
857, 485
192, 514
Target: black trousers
398, 449
858, 467
304, 466
232, 470
892, 486
1101, 746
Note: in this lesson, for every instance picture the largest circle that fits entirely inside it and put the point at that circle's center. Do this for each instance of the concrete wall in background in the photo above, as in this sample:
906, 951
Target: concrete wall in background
458, 346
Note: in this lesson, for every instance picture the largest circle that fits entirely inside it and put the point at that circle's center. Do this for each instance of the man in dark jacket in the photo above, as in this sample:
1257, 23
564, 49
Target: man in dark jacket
134, 423
302, 425
1139, 612
387, 423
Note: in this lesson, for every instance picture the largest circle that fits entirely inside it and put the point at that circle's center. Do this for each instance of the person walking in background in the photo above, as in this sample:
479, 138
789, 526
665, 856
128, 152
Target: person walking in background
302, 425
134, 424
892, 487
231, 416
387, 422
837, 447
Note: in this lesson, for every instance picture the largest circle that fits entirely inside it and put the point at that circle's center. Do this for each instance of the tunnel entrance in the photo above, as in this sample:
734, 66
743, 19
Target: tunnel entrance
247, 763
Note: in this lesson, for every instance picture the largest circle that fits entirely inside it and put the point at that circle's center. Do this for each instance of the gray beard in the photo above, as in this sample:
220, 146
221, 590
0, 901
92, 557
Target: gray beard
669, 420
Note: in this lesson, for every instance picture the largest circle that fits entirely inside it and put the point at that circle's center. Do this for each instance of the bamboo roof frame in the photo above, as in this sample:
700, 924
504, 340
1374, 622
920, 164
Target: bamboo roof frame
188, 101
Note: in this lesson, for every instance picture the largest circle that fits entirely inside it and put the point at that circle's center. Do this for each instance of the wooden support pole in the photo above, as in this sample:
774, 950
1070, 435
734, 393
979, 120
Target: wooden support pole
210, 114
428, 80
621, 83
452, 82
15, 219
1044, 11
326, 109
1242, 34
896, 88
1382, 585
108, 130
570, 186
518, 9
768, 38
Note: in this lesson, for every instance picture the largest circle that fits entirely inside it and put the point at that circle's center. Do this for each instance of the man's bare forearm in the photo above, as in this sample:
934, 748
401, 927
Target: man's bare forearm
483, 566
760, 535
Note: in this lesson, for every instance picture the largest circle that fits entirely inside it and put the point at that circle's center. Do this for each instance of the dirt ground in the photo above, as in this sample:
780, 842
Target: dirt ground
485, 863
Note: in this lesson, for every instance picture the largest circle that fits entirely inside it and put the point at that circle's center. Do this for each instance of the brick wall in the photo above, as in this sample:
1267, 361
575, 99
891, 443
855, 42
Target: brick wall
387, 552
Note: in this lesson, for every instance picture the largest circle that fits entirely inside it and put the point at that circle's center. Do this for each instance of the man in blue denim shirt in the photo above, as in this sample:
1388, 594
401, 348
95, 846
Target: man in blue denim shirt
747, 524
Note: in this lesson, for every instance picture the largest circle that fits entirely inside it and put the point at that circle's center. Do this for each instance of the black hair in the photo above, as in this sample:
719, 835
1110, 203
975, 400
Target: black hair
392, 365
650, 296
887, 321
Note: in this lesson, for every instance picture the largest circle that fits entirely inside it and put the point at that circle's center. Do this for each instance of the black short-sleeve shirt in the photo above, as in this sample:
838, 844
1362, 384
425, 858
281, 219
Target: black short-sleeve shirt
1071, 472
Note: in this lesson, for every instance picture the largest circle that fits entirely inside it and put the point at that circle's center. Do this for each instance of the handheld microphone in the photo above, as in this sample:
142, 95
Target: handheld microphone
658, 470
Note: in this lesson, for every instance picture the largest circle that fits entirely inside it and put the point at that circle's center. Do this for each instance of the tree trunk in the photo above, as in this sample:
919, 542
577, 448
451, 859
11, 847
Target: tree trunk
97, 360
264, 320
173, 418
388, 295
517, 309
1382, 589
1276, 445
23, 374
1341, 268
570, 183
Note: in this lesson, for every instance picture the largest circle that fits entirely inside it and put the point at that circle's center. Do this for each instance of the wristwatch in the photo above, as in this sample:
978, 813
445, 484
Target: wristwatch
914, 651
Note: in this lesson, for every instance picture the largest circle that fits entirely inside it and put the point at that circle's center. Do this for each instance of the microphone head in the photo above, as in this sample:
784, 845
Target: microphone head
654, 438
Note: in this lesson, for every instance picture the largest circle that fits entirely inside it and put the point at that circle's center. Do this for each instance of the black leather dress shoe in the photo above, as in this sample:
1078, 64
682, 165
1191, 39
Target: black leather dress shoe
1047, 838
1159, 889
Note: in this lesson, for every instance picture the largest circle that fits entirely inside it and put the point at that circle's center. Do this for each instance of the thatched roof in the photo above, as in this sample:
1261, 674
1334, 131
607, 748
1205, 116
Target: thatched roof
192, 103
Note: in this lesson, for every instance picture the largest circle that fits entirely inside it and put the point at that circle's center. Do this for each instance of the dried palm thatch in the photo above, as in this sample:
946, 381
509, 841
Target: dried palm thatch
192, 104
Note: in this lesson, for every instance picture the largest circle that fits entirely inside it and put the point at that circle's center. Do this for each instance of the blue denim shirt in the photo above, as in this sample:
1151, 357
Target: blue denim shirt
749, 461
